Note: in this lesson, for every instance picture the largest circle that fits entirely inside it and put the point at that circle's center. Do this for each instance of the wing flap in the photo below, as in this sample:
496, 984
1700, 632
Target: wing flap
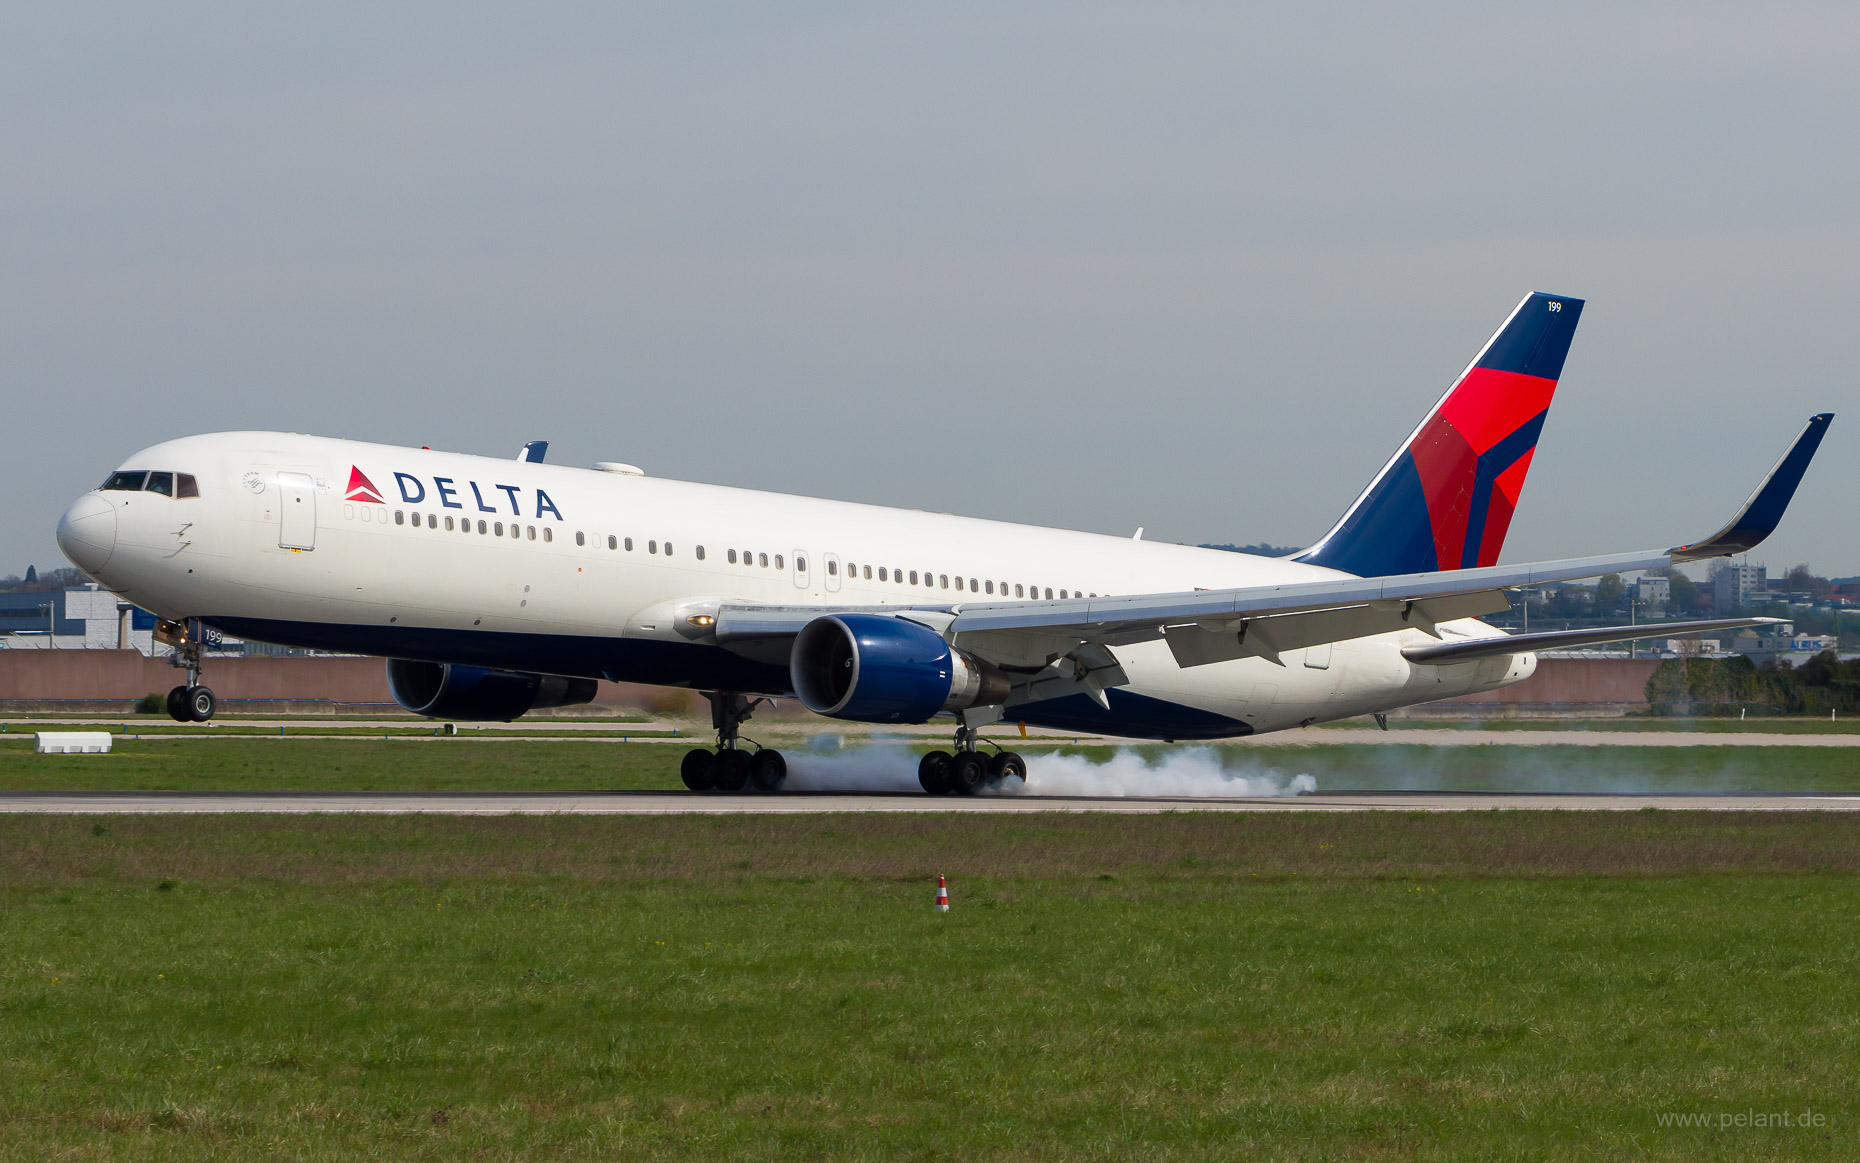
1200, 644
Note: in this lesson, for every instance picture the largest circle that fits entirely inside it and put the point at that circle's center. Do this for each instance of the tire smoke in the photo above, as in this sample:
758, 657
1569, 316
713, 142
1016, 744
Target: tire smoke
890, 765
1195, 772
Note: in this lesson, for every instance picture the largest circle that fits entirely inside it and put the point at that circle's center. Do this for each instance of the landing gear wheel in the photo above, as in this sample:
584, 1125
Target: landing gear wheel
933, 773
200, 704
767, 770
731, 771
967, 772
177, 705
695, 769
1006, 765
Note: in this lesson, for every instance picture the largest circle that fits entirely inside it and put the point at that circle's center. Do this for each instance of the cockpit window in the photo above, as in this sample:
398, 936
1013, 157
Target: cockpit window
184, 485
125, 482
162, 482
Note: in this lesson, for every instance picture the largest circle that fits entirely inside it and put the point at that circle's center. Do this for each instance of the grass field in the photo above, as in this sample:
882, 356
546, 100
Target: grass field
230, 763
1464, 986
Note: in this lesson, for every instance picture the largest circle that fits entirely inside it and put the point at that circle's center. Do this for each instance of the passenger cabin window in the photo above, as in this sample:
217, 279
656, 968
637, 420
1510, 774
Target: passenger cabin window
629, 545
548, 533
580, 537
762, 559
499, 527
913, 577
833, 567
778, 564
868, 573
730, 556
185, 486
652, 547
881, 574
668, 549
700, 553
126, 482
612, 543
400, 517
800, 565
530, 530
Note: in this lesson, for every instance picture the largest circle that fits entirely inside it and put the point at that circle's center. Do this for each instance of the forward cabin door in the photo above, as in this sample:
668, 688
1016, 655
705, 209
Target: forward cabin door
296, 511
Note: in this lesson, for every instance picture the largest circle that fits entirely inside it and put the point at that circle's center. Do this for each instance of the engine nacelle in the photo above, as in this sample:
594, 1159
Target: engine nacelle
442, 690
876, 669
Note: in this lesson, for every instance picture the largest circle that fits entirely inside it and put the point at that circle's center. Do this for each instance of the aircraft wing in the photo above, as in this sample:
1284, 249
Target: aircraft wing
1207, 626
1475, 649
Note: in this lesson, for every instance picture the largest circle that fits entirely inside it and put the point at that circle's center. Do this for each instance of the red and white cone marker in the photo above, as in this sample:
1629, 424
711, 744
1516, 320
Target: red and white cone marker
942, 895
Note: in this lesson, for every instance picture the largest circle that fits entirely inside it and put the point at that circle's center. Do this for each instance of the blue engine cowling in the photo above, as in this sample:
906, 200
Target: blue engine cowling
441, 690
878, 669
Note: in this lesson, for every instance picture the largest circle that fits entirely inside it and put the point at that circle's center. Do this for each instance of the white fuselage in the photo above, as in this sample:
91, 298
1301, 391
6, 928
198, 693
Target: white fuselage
278, 546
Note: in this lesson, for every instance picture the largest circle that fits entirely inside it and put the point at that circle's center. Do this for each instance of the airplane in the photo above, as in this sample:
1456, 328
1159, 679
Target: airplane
495, 587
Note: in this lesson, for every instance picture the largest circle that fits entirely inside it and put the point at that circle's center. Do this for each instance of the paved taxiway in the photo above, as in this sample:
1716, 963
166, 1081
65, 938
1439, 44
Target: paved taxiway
651, 803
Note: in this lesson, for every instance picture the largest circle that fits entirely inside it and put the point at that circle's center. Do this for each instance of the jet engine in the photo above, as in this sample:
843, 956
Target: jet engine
877, 669
441, 690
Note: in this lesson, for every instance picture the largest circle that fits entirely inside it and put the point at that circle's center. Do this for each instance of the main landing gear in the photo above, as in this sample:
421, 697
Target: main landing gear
968, 770
729, 767
190, 702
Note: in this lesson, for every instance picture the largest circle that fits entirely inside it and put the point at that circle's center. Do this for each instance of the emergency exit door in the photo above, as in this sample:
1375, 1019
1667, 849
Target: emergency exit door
296, 511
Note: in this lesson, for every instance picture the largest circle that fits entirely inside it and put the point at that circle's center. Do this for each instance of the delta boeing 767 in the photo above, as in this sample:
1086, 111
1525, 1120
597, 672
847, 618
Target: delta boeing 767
494, 587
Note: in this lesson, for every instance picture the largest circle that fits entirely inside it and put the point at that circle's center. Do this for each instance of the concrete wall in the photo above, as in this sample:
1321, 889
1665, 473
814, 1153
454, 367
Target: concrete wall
1601, 686
120, 677
113, 680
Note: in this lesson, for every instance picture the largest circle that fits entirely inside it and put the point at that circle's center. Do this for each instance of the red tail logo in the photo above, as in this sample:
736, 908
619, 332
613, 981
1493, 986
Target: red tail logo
361, 488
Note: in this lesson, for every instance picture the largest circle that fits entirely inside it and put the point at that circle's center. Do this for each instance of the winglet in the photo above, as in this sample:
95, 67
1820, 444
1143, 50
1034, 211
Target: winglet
1763, 511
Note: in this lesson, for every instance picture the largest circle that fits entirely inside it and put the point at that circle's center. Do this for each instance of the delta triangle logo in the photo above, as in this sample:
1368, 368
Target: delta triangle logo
361, 488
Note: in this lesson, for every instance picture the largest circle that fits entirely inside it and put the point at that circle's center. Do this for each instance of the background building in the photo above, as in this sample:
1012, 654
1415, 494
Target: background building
1739, 585
79, 618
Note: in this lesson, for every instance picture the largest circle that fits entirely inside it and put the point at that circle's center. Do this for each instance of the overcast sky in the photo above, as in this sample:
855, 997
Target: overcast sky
1181, 266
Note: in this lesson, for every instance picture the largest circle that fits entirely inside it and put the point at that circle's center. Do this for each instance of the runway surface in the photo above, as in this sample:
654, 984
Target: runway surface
651, 803
21, 733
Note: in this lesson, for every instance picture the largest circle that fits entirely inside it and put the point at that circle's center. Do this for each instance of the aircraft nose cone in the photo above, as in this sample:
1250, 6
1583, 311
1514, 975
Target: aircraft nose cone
87, 532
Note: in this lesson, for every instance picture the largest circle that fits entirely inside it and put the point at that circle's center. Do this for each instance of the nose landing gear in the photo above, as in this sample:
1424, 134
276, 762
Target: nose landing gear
968, 770
191, 702
729, 768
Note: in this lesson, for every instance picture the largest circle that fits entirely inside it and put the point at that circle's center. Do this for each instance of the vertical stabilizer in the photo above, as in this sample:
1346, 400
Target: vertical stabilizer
1445, 500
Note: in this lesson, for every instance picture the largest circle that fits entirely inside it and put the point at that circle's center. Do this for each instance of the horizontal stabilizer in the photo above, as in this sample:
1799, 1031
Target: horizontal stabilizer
1763, 511
1445, 652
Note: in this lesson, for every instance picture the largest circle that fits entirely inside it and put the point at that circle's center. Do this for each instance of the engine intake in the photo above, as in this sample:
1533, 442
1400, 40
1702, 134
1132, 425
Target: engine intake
877, 669
442, 690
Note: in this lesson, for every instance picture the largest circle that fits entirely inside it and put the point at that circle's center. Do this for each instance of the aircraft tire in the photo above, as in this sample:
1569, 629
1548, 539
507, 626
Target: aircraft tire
767, 770
177, 705
731, 772
200, 704
696, 769
933, 773
967, 772
1007, 765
